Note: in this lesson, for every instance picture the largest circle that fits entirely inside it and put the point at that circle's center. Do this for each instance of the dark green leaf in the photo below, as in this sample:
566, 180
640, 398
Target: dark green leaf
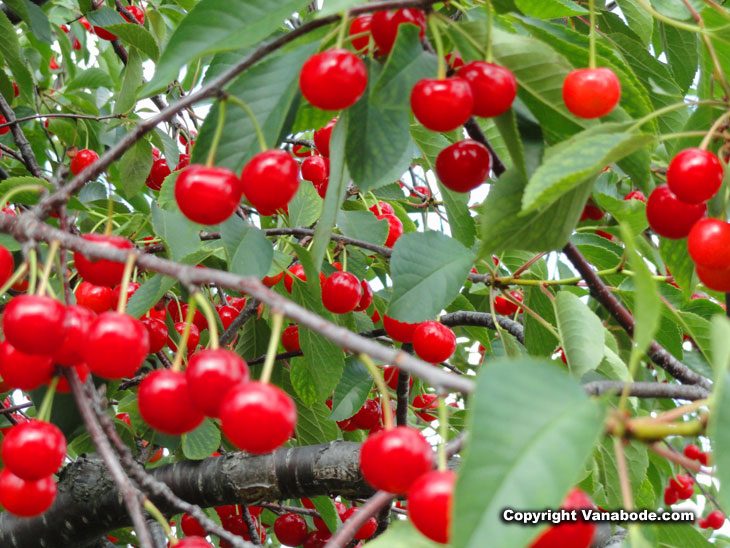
363, 225
91, 78
10, 50
149, 294
676, 257
201, 442
249, 251
352, 390
127, 96
313, 425
134, 168
306, 206
550, 9
136, 36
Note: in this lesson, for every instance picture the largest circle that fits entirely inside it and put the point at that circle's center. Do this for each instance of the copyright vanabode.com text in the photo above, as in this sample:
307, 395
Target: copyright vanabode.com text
556, 517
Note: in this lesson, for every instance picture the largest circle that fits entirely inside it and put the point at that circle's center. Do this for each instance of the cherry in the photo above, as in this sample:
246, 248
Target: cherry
339, 508
7, 265
718, 280
425, 402
683, 485
423, 190
334, 79
116, 345
85, 23
298, 271
367, 530
290, 339
322, 138
191, 527
78, 320
26, 498
358, 26
670, 496
395, 229
316, 539
442, 105
194, 542
175, 312
207, 195
571, 534
463, 166
82, 371
399, 331
83, 159
367, 296
182, 162
270, 180
210, 374
271, 281
102, 272
290, 529
236, 302
158, 172
668, 216
430, 502
635, 195
591, 93
164, 400
258, 417
94, 297
708, 243
590, 211
368, 416
715, 519
227, 314
384, 26
157, 332
433, 342
137, 13
694, 175
315, 168
341, 293
34, 450
494, 87
16, 91
24, 371
692, 452
193, 337
53, 65
382, 208
505, 307
34, 324
454, 61
392, 460
6, 129
117, 292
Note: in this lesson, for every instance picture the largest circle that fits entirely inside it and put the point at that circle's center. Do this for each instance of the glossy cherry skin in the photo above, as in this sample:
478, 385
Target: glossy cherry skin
82, 160
715, 519
258, 417
193, 337
165, 402
368, 416
24, 371
298, 271
34, 324
34, 450
290, 529
98, 298
315, 168
367, 296
358, 26
384, 26
442, 105
322, 138
116, 345
395, 229
635, 195
382, 208
494, 87
290, 339
210, 374
158, 172
430, 503
82, 371
182, 162
426, 402
506, 307
207, 195
334, 79
227, 314
719, 280
463, 166
708, 243
367, 530
78, 320
191, 527
316, 539
683, 485
571, 534
271, 281
193, 542
591, 93
694, 175
668, 216
341, 293
157, 331
399, 331
26, 498
7, 264
102, 272
433, 342
117, 292
137, 13
270, 180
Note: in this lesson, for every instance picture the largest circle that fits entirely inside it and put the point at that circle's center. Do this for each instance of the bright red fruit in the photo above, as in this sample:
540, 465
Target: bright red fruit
395, 229
210, 374
384, 26
82, 160
24, 371
116, 345
719, 280
694, 175
227, 314
193, 337
368, 416
271, 281
382, 208
102, 272
193, 542
708, 243
137, 13
26, 498
367, 296
117, 292
399, 331
430, 502
258, 417
670, 496
98, 298
290, 339
591, 211
322, 138
34, 324
442, 105
165, 402
316, 539
334, 79
433, 342
635, 195
341, 293
191, 527
367, 530
7, 265
506, 307
270, 180
6, 129
392, 460
157, 331
298, 271
463, 166
591, 93
572, 534
426, 402
34, 450
668, 216
358, 26
494, 87
78, 320
207, 195
183, 161
683, 485
715, 519
158, 172
315, 168
692, 452
454, 60
290, 529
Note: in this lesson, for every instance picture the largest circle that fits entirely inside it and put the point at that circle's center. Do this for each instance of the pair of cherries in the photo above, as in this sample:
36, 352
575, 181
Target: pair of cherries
432, 341
681, 487
383, 210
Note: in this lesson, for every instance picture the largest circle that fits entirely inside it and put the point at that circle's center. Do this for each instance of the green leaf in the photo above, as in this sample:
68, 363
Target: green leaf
313, 426
640, 21
134, 168
34, 16
682, 50
10, 50
91, 78
105, 17
637, 461
249, 251
149, 294
306, 206
180, 234
363, 225
581, 333
676, 258
425, 282
25, 197
352, 390
506, 123
127, 97
201, 442
401, 534
325, 506
675, 535
138, 37
255, 339
630, 212
550, 9
219, 25
530, 425
718, 430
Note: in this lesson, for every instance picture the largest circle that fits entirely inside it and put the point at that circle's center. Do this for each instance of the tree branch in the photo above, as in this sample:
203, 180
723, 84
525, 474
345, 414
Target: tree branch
690, 392
475, 132
249, 311
19, 137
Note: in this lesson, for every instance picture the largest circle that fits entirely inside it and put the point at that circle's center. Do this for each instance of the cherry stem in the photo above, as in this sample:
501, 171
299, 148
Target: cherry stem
670, 108
254, 122
44, 413
342, 29
433, 23
278, 320
155, 513
182, 345
19, 273
52, 250
210, 318
17, 190
592, 35
443, 433
706, 141
128, 267
382, 388
33, 277
218, 133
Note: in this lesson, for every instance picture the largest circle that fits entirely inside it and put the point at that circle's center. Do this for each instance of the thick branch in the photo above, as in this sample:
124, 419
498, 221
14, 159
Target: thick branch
649, 390
484, 319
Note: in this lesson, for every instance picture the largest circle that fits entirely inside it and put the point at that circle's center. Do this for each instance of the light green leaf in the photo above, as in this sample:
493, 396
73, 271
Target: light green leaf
91, 78
631, 212
201, 442
676, 258
581, 333
127, 96
352, 390
149, 294
640, 21
180, 234
306, 206
249, 251
134, 168
550, 9
25, 197
363, 225
326, 508
254, 340
676, 535
136, 36
10, 50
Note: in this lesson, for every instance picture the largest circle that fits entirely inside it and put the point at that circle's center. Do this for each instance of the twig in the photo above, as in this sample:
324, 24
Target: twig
374, 504
475, 132
26, 151
249, 311
250, 525
62, 115
648, 390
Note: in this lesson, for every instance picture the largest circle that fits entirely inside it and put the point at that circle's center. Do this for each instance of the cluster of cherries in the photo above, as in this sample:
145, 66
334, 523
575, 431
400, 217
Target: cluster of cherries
681, 487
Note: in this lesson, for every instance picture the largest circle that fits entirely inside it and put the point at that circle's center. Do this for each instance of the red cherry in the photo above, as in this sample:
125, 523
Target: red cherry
334, 79
34, 324
116, 345
454, 61
430, 502
137, 13
433, 342
117, 292
24, 371
591, 93
82, 371
207, 195
494, 87
227, 314
158, 172
358, 26
571, 534
298, 271
341, 293
399, 331
670, 496
367, 530
442, 105
193, 337
635, 195
194, 542
290, 339
463, 166
368, 416
384, 26
505, 307
210, 374
7, 265
391, 375
290, 529
182, 162
683, 485
6, 129
270, 180
692, 452
718, 280
157, 332
322, 138
367, 296
382, 208
668, 216
102, 272
191, 527
258, 417
694, 175
236, 302
425, 402
395, 229
708, 243
715, 519
16, 91
94, 297
26, 498
81, 161
165, 402
78, 320
34, 450
315, 168
271, 281
316, 539
592, 212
